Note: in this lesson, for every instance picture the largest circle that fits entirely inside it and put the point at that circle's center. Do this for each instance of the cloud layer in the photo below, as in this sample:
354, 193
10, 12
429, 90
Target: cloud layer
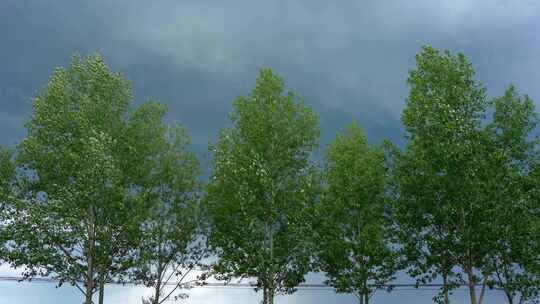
349, 59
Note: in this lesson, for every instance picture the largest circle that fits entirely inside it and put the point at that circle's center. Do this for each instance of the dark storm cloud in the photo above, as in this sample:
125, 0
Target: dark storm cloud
349, 59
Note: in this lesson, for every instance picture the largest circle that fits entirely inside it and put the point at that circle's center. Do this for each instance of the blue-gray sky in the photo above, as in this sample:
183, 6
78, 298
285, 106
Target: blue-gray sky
349, 59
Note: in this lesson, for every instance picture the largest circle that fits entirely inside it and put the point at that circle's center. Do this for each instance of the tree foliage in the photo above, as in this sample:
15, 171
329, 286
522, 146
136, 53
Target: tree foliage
466, 203
514, 257
441, 209
7, 175
76, 214
262, 188
352, 229
170, 246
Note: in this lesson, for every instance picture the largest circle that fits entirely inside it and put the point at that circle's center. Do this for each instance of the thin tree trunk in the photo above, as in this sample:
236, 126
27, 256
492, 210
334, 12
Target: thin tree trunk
445, 289
101, 287
90, 251
483, 292
509, 297
366, 293
157, 293
270, 279
158, 284
270, 282
265, 296
271, 296
159, 270
89, 281
472, 286
361, 286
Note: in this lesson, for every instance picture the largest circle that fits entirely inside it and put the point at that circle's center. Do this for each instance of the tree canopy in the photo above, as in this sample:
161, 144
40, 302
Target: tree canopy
262, 188
352, 235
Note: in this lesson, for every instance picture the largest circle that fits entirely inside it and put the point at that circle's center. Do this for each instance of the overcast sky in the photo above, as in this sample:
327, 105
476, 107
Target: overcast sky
349, 59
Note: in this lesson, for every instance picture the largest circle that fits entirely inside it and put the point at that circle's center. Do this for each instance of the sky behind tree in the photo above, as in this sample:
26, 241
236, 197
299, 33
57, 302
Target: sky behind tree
348, 59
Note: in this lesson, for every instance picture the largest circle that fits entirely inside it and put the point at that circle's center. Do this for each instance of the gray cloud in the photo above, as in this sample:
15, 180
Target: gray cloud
349, 59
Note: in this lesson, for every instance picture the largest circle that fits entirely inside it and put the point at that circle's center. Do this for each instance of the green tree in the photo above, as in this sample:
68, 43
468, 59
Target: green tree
77, 212
441, 208
7, 176
170, 246
352, 229
62, 232
262, 189
514, 257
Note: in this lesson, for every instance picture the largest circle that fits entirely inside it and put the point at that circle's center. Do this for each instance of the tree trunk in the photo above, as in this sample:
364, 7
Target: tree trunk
90, 251
361, 298
89, 282
101, 287
509, 297
160, 267
366, 292
270, 280
268, 295
156, 294
483, 292
271, 296
472, 286
158, 284
445, 289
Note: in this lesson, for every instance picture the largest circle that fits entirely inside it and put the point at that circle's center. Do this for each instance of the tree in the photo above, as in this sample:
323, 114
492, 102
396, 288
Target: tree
420, 226
514, 257
7, 175
262, 189
352, 231
441, 207
77, 209
170, 245
61, 233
